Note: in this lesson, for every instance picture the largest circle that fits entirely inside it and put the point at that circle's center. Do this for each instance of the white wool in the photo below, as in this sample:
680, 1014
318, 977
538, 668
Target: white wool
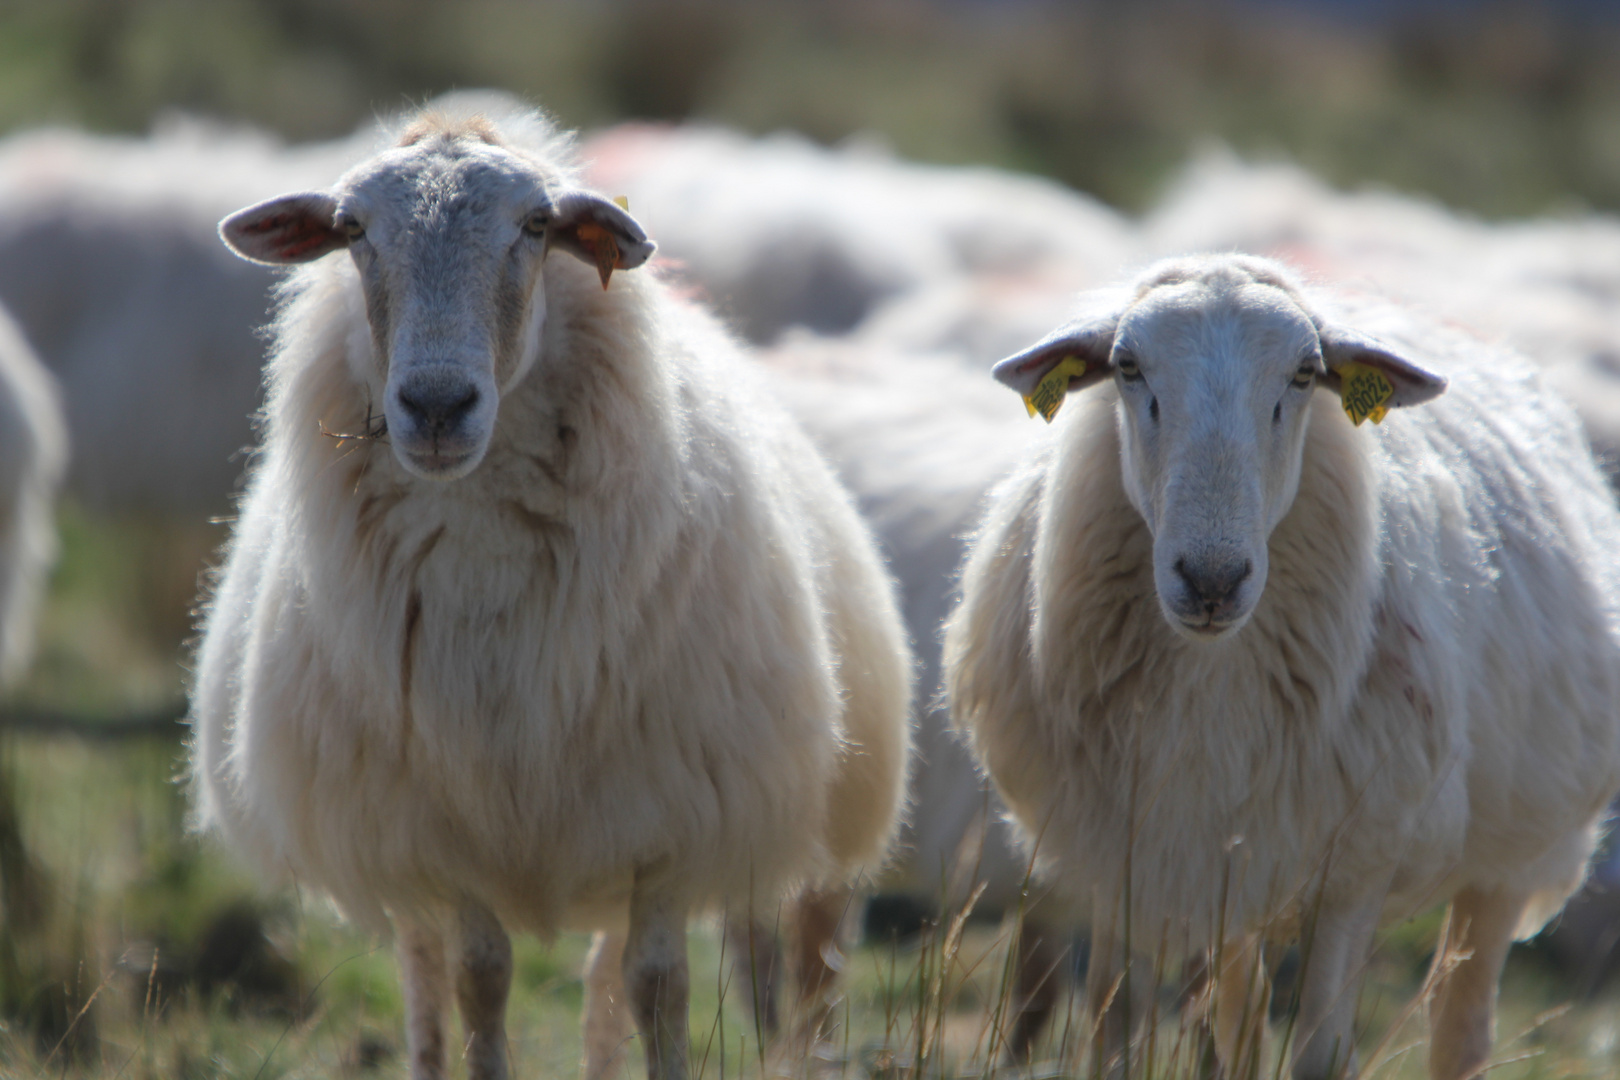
1426, 692
33, 456
646, 635
920, 440
781, 232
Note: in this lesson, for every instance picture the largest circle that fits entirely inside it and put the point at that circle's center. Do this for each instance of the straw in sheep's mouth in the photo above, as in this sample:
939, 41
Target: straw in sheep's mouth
376, 429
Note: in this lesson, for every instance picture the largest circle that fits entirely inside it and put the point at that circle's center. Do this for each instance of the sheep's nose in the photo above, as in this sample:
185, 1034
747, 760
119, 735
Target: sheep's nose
1213, 580
438, 405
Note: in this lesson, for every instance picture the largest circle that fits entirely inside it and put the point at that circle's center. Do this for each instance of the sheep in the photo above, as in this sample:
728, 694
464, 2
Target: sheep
920, 440
538, 611
33, 457
1288, 673
862, 226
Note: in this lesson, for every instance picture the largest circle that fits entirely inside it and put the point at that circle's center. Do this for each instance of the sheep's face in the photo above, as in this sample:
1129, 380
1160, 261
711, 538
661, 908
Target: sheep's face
448, 233
1215, 361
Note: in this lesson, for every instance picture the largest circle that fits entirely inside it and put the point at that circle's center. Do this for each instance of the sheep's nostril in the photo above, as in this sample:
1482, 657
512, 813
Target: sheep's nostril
1214, 581
438, 405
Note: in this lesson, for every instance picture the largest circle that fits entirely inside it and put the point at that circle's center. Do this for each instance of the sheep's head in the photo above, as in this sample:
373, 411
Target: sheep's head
1215, 359
448, 231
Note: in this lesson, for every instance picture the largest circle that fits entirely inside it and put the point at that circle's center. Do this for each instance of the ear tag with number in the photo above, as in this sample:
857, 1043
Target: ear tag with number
1363, 389
1047, 397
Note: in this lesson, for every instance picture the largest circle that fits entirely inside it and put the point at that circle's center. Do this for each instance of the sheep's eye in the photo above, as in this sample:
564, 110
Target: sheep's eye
1305, 375
1128, 369
351, 228
535, 224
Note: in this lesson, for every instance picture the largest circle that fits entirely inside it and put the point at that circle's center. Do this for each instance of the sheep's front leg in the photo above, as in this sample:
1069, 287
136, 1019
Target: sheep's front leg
1043, 950
1332, 960
606, 1020
483, 979
1241, 1001
756, 970
424, 976
818, 920
656, 980
1463, 1021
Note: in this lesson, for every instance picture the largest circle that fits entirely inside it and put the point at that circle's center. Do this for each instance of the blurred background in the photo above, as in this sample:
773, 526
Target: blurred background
1498, 107
115, 920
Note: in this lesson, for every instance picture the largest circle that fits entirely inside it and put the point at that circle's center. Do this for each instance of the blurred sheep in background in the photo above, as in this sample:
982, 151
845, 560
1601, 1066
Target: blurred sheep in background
781, 232
1548, 286
110, 262
920, 439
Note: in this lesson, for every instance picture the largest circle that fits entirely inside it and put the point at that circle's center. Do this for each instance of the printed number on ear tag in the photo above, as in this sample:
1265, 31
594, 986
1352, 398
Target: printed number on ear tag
1363, 391
1047, 397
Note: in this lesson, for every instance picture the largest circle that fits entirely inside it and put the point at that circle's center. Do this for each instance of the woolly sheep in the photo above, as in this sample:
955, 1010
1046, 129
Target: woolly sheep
1296, 674
537, 613
784, 233
920, 440
33, 456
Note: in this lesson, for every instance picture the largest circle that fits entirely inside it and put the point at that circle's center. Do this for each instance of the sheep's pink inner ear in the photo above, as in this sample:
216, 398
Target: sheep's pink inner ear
599, 232
285, 230
1372, 378
1071, 359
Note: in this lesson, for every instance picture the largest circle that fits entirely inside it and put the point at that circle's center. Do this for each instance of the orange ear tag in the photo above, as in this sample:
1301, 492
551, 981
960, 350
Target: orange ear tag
1363, 390
622, 202
602, 245
1047, 397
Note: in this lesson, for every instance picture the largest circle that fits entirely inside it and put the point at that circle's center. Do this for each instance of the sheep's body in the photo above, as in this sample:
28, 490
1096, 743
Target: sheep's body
33, 456
781, 232
643, 653
110, 261
1423, 703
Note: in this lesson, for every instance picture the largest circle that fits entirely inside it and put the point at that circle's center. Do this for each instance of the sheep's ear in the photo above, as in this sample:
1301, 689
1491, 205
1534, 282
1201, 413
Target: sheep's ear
598, 231
285, 230
1071, 358
1370, 378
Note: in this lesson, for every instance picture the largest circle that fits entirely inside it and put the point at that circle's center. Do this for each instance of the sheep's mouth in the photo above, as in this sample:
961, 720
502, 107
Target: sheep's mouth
437, 465
1205, 627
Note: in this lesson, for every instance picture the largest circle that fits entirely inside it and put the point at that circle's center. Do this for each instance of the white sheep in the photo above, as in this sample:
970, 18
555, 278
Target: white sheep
1238, 665
538, 612
781, 232
920, 440
33, 456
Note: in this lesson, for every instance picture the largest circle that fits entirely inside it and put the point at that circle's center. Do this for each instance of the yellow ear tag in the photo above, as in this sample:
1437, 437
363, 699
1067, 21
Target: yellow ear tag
1363, 391
1047, 397
622, 202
